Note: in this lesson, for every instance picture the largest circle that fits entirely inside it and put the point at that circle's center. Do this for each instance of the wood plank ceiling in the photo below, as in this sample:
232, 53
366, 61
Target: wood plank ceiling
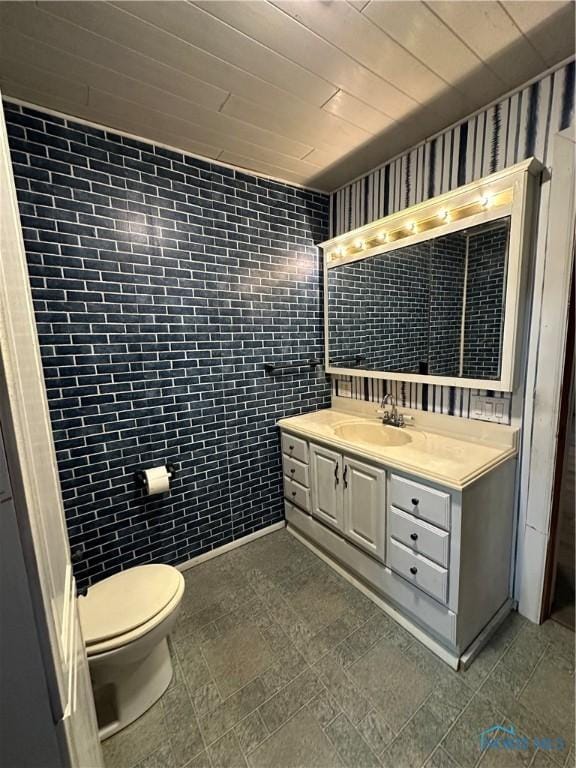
313, 92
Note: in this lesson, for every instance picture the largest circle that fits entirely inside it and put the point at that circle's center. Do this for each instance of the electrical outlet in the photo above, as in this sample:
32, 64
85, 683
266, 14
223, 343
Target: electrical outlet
487, 408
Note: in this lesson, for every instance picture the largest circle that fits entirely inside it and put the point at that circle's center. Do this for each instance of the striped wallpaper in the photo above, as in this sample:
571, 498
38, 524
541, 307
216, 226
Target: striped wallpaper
518, 127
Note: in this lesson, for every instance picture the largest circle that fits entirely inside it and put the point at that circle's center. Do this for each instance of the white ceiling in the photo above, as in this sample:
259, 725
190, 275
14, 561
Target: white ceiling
310, 91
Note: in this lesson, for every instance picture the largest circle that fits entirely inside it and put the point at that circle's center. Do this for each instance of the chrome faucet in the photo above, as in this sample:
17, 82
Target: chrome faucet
391, 418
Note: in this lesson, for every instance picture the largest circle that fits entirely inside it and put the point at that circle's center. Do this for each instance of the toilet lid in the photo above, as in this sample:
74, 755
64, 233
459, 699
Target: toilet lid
126, 600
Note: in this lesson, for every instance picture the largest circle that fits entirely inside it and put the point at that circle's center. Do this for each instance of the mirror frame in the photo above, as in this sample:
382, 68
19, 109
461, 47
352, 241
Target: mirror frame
511, 192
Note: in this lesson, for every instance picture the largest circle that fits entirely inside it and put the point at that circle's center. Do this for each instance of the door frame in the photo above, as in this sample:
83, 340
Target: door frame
541, 406
566, 407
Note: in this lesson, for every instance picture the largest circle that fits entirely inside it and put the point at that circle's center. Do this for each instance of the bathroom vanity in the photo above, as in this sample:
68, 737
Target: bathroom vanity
421, 517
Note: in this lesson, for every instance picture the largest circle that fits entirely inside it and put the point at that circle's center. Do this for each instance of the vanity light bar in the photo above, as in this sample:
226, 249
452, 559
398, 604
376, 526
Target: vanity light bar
413, 226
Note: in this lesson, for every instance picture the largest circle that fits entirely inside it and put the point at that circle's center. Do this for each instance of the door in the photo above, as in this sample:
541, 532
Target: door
365, 505
37, 496
326, 466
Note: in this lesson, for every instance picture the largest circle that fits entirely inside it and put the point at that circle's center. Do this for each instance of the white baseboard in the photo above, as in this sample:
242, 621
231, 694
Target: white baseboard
230, 546
476, 645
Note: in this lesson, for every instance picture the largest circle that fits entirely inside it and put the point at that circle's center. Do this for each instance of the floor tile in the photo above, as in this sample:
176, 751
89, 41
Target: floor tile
161, 758
287, 665
236, 657
232, 710
181, 725
226, 752
440, 759
290, 699
535, 725
136, 742
300, 743
463, 741
543, 760
200, 761
550, 694
400, 691
319, 602
416, 742
194, 669
493, 651
449, 697
247, 613
324, 708
363, 638
375, 731
518, 756
206, 698
342, 688
561, 638
336, 680
251, 732
350, 745
525, 652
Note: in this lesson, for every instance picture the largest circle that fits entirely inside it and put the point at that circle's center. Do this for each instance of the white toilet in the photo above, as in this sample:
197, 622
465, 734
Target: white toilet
126, 620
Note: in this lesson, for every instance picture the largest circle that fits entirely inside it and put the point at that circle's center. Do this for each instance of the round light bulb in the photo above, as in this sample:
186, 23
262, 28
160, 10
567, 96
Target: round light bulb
383, 236
359, 244
411, 226
485, 201
443, 214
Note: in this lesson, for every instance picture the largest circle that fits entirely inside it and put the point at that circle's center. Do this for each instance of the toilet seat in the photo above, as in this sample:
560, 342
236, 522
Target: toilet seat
128, 605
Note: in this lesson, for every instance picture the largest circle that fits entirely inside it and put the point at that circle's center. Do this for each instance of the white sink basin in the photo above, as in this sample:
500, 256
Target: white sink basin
374, 434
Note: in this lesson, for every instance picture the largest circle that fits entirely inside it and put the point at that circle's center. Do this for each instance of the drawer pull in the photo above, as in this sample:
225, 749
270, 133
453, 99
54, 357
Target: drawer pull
414, 536
414, 570
291, 447
415, 502
292, 471
293, 493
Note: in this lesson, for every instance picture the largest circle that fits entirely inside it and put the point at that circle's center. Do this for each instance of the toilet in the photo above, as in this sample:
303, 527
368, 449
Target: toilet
126, 619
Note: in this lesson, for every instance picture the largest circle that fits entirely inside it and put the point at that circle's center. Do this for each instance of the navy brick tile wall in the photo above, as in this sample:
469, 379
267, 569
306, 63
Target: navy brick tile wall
379, 309
161, 285
485, 291
447, 267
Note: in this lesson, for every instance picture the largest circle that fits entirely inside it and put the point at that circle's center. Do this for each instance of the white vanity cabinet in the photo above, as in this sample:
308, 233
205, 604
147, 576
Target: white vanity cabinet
436, 557
350, 496
326, 477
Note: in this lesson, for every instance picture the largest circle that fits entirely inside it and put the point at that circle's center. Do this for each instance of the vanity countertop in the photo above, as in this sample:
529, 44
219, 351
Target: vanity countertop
447, 450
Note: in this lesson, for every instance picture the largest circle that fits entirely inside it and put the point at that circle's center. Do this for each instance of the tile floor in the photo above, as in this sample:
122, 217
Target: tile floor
279, 662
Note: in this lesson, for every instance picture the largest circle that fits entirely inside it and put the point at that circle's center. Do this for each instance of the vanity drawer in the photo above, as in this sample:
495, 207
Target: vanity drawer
418, 570
420, 500
419, 535
297, 494
295, 447
296, 470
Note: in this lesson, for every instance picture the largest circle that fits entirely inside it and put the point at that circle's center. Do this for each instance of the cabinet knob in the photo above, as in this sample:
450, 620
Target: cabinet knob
414, 536
293, 493
415, 502
414, 570
291, 447
292, 471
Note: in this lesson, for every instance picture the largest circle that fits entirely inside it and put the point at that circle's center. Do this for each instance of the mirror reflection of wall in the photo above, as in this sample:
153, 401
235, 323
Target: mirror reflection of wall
436, 307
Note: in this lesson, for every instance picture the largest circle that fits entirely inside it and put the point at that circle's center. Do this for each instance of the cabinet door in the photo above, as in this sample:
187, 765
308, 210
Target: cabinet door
365, 505
326, 469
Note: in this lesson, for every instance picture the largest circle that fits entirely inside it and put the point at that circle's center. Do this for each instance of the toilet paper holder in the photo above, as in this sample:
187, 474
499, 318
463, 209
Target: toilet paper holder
140, 476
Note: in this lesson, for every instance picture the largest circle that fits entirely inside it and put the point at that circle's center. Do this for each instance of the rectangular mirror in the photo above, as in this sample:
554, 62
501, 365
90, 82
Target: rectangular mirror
434, 293
434, 308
